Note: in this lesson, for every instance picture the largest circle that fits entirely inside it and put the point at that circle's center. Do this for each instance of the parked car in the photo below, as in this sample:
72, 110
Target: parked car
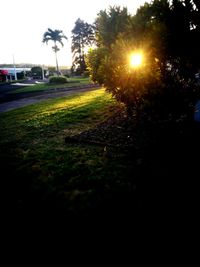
36, 76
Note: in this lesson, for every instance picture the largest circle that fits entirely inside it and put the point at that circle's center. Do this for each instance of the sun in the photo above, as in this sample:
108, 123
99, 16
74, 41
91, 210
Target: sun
136, 59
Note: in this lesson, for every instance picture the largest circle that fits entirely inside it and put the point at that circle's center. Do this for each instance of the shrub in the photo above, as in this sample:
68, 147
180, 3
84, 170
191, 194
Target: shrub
172, 99
67, 75
57, 79
153, 91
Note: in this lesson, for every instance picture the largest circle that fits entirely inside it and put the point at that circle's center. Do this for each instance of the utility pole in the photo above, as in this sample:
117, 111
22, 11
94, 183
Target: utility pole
14, 68
42, 72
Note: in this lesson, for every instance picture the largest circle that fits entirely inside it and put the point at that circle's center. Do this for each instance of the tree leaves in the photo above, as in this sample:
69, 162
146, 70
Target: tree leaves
56, 36
82, 36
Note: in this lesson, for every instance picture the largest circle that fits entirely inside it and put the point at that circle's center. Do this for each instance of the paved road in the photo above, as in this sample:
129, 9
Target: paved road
6, 106
6, 90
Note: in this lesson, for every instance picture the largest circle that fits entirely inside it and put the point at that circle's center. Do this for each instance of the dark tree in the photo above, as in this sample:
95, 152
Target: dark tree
168, 34
82, 37
109, 24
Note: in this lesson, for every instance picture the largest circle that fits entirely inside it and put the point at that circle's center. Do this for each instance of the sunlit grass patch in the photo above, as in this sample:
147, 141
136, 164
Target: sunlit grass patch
55, 114
42, 166
36, 133
67, 109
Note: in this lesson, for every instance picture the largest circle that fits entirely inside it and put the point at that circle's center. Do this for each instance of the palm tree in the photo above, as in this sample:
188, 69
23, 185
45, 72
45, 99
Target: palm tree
56, 36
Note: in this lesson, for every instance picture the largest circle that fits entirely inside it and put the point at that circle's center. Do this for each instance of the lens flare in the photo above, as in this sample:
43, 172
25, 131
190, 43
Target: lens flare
136, 60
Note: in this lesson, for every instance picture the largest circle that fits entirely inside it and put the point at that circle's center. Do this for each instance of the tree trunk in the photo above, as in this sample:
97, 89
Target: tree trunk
57, 69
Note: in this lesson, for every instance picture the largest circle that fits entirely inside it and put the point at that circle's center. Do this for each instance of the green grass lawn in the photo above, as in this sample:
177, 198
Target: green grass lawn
43, 171
72, 82
41, 174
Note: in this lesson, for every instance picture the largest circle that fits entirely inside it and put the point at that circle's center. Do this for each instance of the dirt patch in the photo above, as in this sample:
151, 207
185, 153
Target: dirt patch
162, 156
120, 131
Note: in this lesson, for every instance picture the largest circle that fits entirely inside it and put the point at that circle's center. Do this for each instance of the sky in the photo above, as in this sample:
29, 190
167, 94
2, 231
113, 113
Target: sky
23, 23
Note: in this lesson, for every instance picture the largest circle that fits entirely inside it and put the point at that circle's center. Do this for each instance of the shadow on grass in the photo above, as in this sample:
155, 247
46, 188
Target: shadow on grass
77, 180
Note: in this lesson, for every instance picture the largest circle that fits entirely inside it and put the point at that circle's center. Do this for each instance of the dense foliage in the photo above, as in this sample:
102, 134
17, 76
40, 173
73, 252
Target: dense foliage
168, 34
109, 24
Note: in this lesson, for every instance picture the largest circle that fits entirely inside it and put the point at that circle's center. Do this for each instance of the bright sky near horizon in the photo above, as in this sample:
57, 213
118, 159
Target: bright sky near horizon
23, 23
